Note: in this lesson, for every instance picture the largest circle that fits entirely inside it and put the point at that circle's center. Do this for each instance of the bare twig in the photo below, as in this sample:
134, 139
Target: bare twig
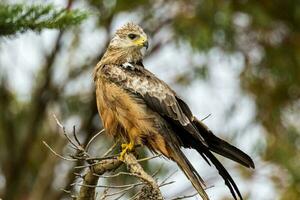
168, 177
116, 175
123, 190
103, 197
158, 170
206, 117
58, 123
92, 139
64, 131
185, 197
149, 158
166, 183
120, 196
109, 186
111, 148
92, 159
88, 193
60, 156
75, 145
75, 136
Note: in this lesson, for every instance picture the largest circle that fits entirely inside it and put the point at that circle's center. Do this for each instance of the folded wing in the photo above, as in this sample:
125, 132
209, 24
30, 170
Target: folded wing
155, 93
190, 132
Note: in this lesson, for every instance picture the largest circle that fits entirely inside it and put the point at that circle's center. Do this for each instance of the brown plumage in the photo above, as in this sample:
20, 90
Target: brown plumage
137, 106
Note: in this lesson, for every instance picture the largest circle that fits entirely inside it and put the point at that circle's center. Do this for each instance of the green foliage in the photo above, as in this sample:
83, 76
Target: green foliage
205, 24
20, 18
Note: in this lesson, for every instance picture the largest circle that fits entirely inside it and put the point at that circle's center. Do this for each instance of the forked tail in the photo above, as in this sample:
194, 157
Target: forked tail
198, 183
222, 147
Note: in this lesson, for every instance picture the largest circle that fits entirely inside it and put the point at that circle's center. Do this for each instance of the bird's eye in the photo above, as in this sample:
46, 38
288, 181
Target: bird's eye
132, 36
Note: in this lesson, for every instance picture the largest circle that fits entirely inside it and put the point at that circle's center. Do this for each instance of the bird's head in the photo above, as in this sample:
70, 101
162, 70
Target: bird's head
130, 36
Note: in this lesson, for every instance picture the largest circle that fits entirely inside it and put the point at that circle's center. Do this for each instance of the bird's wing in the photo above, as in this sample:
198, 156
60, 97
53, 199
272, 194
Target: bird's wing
156, 94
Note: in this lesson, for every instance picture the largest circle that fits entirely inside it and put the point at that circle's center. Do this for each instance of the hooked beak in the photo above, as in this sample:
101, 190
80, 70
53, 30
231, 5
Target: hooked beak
146, 44
142, 42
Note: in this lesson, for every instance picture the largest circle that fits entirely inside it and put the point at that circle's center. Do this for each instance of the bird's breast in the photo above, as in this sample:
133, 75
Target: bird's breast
119, 109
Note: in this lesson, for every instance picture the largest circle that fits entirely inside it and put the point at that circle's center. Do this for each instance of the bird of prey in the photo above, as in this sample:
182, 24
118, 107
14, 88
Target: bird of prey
143, 110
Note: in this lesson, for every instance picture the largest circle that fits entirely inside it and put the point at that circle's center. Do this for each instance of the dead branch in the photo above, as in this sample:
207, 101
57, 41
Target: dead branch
97, 166
151, 189
149, 158
88, 193
185, 197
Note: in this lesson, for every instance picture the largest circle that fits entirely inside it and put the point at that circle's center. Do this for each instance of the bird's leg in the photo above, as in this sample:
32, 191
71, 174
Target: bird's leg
126, 148
133, 135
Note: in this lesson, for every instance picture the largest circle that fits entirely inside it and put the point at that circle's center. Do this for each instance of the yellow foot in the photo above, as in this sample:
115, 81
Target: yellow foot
126, 148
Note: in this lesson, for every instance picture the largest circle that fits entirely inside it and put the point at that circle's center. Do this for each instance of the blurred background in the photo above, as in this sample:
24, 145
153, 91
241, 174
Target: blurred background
237, 60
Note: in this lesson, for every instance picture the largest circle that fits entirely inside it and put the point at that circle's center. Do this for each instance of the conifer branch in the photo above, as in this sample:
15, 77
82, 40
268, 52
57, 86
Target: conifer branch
19, 18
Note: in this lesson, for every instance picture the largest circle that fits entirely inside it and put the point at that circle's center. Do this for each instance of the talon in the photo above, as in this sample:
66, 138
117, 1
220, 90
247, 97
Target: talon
121, 157
130, 146
124, 146
125, 149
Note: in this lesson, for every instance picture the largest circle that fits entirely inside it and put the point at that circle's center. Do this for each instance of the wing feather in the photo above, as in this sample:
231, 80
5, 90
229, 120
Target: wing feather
156, 94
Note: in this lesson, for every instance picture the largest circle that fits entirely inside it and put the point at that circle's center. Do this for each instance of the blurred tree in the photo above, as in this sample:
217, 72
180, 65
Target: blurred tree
16, 159
265, 33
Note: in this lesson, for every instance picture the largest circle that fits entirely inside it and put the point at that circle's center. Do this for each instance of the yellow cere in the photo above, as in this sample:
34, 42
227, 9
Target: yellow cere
140, 41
